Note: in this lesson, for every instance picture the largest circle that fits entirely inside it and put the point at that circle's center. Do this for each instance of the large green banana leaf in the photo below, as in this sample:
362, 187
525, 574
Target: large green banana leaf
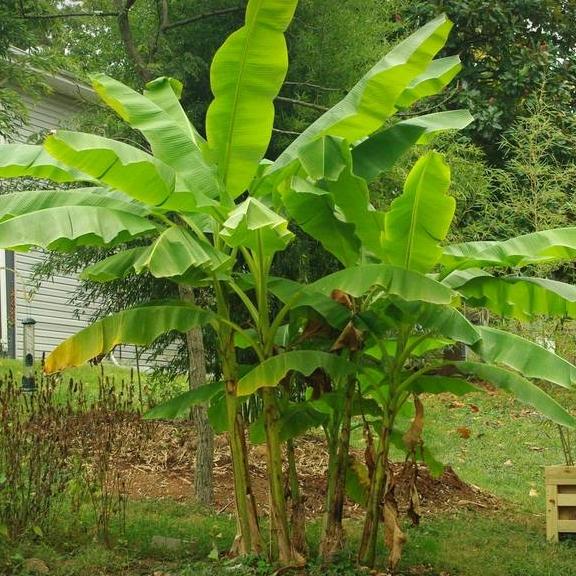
520, 297
140, 326
163, 122
17, 160
444, 321
20, 203
176, 252
530, 359
382, 150
166, 93
181, 404
253, 225
114, 267
64, 228
433, 80
246, 75
520, 387
535, 248
271, 371
441, 385
114, 163
393, 281
313, 209
419, 219
373, 99
330, 161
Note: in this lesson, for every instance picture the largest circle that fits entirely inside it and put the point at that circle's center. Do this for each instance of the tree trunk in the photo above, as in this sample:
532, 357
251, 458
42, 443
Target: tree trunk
204, 463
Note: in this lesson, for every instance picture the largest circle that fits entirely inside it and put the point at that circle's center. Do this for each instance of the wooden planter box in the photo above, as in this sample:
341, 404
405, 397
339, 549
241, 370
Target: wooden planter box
560, 501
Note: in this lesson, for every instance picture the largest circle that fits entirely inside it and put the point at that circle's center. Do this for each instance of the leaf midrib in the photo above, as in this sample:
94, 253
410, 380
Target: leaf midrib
248, 33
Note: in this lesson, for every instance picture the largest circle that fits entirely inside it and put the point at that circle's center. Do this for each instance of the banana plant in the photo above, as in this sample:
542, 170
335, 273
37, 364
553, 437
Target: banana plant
203, 211
412, 310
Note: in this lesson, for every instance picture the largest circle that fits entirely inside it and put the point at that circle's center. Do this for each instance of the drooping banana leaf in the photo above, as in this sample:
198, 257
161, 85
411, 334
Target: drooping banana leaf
166, 93
313, 209
139, 326
271, 371
382, 150
176, 252
419, 219
442, 384
19, 160
181, 404
246, 75
535, 248
64, 228
519, 297
114, 163
519, 387
20, 203
163, 122
329, 161
253, 225
114, 267
445, 321
528, 358
393, 281
373, 99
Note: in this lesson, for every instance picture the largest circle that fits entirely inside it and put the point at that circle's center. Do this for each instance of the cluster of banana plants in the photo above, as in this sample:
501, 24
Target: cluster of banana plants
360, 345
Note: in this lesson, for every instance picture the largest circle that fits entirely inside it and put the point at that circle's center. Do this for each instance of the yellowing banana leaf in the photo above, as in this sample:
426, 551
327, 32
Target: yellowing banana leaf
246, 75
139, 326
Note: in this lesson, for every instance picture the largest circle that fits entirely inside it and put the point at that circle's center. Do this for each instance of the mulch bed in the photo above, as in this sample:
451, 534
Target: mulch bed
156, 462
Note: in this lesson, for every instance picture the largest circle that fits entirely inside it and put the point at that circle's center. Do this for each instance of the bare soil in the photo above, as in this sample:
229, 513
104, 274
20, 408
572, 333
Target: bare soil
157, 463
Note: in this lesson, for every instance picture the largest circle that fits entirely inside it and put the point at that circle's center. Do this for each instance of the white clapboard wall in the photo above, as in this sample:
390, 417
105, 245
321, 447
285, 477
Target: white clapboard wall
49, 302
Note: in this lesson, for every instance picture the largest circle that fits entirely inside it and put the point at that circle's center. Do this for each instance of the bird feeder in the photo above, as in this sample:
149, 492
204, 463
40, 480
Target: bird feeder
28, 378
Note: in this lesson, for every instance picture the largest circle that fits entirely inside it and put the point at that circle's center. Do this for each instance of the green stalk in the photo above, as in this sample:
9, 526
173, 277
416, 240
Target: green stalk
278, 510
248, 540
333, 536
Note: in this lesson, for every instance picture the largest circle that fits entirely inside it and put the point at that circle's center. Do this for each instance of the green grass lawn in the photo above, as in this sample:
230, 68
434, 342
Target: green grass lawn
505, 453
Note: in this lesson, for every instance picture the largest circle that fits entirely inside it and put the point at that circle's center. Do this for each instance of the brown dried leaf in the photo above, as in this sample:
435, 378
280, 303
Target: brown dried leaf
393, 535
464, 432
342, 298
413, 437
350, 338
